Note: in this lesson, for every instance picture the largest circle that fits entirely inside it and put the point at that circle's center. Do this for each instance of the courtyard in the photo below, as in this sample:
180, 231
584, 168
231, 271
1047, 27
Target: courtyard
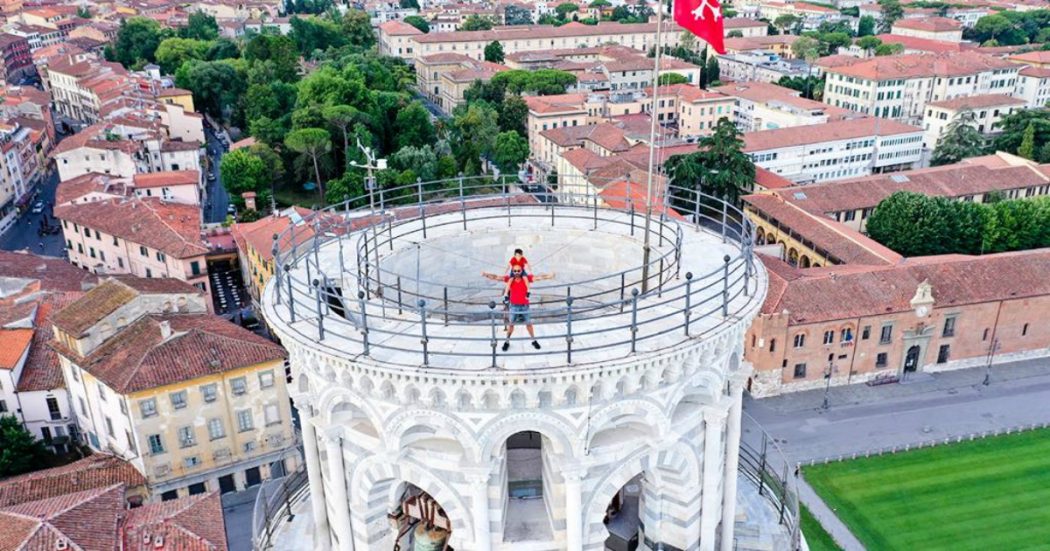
992, 493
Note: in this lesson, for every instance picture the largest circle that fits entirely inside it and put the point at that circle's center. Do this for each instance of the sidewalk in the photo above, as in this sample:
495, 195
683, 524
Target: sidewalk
827, 518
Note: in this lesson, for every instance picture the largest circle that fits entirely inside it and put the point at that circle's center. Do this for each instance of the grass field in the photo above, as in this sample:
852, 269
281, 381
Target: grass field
816, 536
991, 494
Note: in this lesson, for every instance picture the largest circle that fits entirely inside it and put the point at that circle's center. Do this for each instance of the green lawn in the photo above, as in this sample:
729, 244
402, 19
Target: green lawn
816, 536
991, 494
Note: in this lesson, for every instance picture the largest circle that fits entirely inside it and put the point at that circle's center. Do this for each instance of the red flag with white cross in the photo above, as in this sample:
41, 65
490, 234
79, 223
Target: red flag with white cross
702, 18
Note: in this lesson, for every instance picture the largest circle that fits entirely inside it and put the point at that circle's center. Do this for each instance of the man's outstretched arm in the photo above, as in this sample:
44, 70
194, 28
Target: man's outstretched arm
492, 276
541, 277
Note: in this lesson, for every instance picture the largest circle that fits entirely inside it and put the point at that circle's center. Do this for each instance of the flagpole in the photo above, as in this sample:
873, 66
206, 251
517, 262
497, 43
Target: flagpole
646, 247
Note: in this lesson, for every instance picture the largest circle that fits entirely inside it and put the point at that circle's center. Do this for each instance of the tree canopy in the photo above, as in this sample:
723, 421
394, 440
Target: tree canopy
476, 22
20, 452
961, 140
494, 52
418, 22
719, 168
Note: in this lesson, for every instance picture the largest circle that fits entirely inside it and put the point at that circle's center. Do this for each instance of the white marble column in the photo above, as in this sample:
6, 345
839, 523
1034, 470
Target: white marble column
714, 417
732, 466
573, 509
322, 539
479, 497
337, 481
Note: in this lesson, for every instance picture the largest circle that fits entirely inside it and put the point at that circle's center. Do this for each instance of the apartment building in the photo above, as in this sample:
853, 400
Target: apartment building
194, 402
766, 106
16, 61
123, 150
930, 28
836, 150
255, 246
81, 84
760, 66
395, 39
811, 15
522, 38
985, 111
899, 87
1033, 86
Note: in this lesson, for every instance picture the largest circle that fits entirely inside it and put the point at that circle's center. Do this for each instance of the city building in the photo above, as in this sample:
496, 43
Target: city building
931, 28
194, 402
98, 470
255, 246
983, 111
395, 39
1035, 58
15, 59
145, 237
124, 150
760, 66
899, 87
1033, 86
766, 106
835, 150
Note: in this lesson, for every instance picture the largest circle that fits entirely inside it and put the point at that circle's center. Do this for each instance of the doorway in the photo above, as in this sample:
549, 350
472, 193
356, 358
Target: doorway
911, 359
227, 484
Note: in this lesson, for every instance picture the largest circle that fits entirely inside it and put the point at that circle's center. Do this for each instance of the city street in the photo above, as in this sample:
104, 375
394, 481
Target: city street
215, 208
23, 235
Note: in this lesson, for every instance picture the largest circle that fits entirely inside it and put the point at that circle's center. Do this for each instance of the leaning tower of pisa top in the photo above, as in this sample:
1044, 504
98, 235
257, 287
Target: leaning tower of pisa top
424, 424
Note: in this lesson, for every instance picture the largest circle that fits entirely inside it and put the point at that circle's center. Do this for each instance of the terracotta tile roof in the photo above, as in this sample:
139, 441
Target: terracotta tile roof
833, 293
981, 101
172, 228
53, 274
561, 103
259, 234
924, 44
42, 370
399, 28
71, 190
1035, 72
99, 470
565, 31
830, 238
744, 43
831, 131
1037, 56
88, 519
13, 344
929, 24
137, 357
167, 178
773, 95
947, 64
193, 523
114, 292
770, 180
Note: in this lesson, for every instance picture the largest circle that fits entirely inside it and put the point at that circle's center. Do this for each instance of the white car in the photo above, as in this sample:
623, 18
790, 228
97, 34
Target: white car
38, 207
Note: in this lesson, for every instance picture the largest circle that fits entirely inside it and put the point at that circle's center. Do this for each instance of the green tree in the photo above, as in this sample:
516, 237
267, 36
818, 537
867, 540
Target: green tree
137, 42
563, 10
510, 151
418, 22
785, 23
422, 161
315, 33
541, 81
356, 29
889, 49
669, 79
273, 57
223, 48
20, 452
494, 52
961, 140
173, 52
83, 12
216, 86
242, 171
1027, 147
806, 48
409, 4
1012, 128
600, 4
413, 127
869, 43
866, 26
720, 168
200, 26
474, 130
342, 118
517, 15
312, 143
908, 223
513, 114
891, 12
1000, 28
711, 70
477, 23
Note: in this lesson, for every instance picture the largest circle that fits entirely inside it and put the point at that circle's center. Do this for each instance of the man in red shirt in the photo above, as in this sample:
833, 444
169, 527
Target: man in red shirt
516, 296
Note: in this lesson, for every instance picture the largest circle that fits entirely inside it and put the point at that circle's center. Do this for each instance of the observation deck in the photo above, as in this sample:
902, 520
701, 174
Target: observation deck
399, 286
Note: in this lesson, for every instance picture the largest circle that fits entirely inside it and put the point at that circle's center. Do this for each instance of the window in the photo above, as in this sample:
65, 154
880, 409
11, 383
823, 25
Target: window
847, 335
209, 392
149, 272
1024, 330
984, 337
156, 445
131, 441
53, 409
148, 407
244, 420
949, 327
73, 371
215, 428
123, 406
800, 371
272, 414
101, 392
178, 399
800, 340
943, 353
238, 385
120, 262
772, 345
160, 256
83, 406
109, 427
191, 461
886, 335
829, 337
186, 437
881, 359
143, 251
195, 268
266, 379
3, 406
80, 248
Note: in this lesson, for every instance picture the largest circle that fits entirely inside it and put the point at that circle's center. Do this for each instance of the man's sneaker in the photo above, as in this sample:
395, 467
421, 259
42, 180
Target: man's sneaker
536, 345
506, 346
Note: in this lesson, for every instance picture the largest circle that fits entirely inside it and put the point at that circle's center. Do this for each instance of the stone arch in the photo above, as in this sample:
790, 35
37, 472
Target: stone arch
439, 421
760, 235
608, 485
490, 400
792, 256
558, 431
386, 391
464, 400
517, 399
373, 492
411, 396
571, 397
803, 262
333, 397
304, 382
642, 411
437, 398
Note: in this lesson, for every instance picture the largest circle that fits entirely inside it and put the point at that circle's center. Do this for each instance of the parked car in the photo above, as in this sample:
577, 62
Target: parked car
211, 176
38, 207
231, 210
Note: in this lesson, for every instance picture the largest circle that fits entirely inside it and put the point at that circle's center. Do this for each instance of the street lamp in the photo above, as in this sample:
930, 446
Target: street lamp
371, 164
991, 354
827, 383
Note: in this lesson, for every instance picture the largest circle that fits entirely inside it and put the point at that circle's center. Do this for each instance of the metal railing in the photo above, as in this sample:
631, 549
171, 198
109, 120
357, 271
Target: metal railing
273, 505
372, 306
767, 466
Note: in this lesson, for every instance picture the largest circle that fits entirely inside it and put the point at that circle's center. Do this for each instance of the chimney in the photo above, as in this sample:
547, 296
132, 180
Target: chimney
249, 200
165, 329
